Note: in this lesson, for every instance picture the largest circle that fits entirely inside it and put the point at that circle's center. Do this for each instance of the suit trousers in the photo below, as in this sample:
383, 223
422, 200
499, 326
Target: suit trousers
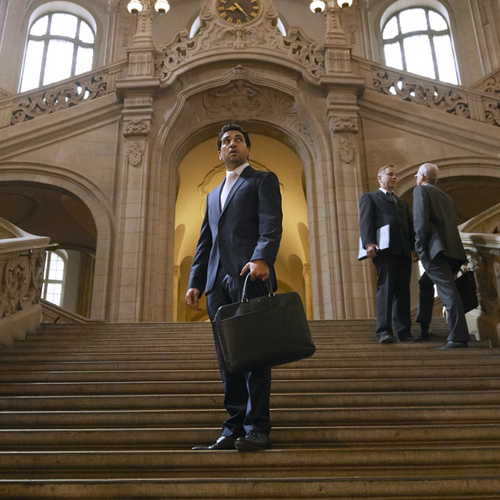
246, 395
393, 295
440, 272
426, 301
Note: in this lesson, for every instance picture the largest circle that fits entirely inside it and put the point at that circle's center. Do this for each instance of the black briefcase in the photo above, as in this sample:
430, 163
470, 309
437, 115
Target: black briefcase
466, 284
263, 332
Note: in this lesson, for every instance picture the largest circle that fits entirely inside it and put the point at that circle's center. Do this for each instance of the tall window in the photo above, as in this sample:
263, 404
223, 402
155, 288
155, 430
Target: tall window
60, 45
418, 40
53, 276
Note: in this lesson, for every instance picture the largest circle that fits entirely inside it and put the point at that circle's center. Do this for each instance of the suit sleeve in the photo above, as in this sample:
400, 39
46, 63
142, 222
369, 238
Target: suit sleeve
367, 220
420, 218
199, 267
270, 220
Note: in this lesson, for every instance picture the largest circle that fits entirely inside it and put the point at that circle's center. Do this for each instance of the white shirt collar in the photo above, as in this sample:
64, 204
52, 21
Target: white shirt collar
238, 170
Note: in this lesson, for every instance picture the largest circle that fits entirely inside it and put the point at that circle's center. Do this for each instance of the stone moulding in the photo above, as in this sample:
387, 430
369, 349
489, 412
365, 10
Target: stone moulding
62, 95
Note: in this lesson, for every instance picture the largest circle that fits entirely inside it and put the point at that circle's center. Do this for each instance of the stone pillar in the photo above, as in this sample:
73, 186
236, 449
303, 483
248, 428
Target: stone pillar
137, 92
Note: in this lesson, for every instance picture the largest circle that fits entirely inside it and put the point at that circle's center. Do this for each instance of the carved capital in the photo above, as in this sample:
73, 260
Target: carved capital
345, 125
137, 128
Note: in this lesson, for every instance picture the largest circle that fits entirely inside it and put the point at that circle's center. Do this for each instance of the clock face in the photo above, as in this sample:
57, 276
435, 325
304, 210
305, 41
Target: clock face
238, 11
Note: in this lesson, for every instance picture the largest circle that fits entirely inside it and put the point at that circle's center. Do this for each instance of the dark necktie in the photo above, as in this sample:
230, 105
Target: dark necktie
391, 196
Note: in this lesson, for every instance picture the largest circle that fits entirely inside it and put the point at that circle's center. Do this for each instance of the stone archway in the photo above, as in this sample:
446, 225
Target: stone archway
93, 199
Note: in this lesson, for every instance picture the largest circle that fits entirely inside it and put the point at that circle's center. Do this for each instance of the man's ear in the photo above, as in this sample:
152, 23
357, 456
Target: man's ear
220, 155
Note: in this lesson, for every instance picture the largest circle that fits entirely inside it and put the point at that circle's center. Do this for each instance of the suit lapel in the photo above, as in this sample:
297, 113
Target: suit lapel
248, 172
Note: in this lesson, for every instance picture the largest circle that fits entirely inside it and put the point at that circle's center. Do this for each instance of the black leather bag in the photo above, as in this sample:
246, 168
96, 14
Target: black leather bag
466, 284
263, 332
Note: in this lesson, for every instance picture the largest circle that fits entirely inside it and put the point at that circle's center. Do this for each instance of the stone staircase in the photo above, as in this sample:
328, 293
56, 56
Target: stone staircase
111, 412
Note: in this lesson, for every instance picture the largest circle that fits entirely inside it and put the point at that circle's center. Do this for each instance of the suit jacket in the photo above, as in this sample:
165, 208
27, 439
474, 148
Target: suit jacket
435, 223
249, 227
376, 210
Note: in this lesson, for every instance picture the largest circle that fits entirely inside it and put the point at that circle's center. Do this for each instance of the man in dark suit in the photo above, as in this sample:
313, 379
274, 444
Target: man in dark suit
240, 234
393, 265
440, 248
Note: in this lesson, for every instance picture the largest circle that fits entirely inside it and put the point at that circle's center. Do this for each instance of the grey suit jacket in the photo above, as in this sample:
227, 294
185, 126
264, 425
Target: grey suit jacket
435, 223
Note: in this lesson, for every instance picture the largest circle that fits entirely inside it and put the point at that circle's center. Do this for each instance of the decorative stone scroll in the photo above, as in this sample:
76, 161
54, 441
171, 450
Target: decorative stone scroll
59, 97
136, 133
431, 95
492, 85
492, 112
20, 281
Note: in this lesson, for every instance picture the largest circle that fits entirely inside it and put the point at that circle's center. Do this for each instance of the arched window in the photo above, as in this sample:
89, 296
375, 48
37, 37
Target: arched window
60, 45
418, 40
54, 275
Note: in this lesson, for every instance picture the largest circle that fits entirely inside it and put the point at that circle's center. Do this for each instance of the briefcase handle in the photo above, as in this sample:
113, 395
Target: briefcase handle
244, 297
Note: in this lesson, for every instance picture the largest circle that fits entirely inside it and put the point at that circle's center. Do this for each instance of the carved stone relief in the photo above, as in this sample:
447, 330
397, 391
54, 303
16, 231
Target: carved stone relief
137, 133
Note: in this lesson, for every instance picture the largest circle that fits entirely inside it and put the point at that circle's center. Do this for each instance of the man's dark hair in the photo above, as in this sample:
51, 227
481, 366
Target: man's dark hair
227, 128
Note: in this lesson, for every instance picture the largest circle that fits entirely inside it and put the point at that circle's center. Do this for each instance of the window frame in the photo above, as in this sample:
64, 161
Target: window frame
47, 37
429, 32
61, 254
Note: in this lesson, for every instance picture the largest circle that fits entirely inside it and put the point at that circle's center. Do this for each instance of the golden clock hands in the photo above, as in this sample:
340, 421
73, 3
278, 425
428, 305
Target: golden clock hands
237, 6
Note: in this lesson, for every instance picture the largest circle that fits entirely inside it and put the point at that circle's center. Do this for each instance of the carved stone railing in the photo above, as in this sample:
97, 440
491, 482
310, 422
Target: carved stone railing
61, 95
490, 84
481, 238
52, 314
451, 99
22, 258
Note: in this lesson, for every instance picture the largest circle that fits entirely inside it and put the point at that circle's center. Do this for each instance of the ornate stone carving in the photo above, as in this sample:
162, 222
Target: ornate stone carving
421, 92
60, 97
492, 112
347, 147
20, 281
136, 128
345, 124
137, 134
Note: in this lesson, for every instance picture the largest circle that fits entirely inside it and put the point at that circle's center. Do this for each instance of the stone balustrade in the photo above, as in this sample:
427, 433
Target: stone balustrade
482, 105
489, 84
22, 258
60, 95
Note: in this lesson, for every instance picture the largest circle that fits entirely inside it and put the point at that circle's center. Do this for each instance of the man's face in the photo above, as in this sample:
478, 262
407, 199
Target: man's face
234, 151
388, 179
420, 178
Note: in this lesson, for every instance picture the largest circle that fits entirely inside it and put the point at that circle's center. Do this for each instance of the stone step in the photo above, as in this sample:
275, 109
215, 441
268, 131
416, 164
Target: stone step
451, 461
38, 420
315, 362
328, 436
215, 401
398, 487
279, 373
288, 386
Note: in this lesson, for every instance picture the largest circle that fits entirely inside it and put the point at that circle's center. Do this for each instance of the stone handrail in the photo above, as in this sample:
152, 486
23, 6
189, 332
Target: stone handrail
483, 251
451, 99
53, 314
60, 95
489, 84
22, 258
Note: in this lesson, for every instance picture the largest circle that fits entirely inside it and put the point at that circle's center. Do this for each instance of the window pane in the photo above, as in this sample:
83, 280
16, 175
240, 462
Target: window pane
40, 27
56, 270
438, 22
413, 20
63, 25
59, 61
86, 34
53, 294
391, 29
84, 60
32, 66
418, 56
445, 59
393, 55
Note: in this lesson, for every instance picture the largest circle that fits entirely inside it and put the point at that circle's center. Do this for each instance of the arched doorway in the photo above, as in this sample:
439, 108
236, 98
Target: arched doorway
200, 172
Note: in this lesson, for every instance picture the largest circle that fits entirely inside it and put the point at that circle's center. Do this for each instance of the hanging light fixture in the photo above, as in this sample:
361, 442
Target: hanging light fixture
344, 3
318, 6
162, 6
134, 6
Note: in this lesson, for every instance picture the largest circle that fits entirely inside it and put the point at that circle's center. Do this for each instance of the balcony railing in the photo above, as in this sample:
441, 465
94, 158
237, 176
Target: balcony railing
480, 105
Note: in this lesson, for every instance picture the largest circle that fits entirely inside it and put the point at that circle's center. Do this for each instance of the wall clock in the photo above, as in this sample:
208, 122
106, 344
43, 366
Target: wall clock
238, 11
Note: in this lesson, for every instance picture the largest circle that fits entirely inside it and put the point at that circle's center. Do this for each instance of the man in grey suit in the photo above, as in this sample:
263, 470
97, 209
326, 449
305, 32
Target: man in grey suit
393, 265
240, 234
440, 248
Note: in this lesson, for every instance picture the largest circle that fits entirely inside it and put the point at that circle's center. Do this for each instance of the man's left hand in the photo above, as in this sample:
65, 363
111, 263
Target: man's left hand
259, 269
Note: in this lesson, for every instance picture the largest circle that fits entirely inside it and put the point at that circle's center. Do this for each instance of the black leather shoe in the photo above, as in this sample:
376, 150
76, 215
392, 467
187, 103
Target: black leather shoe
223, 443
425, 334
253, 441
386, 339
410, 338
454, 345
